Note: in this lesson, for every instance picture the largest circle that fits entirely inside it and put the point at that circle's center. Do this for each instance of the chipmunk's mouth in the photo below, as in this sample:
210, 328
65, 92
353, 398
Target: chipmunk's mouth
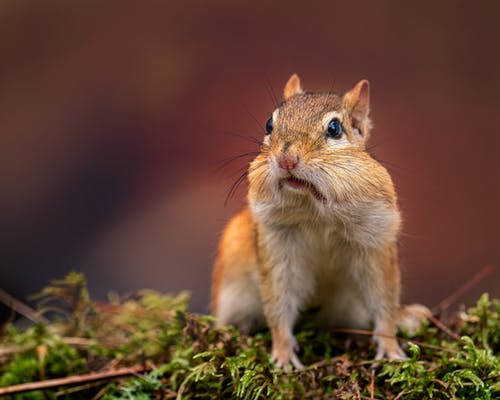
301, 184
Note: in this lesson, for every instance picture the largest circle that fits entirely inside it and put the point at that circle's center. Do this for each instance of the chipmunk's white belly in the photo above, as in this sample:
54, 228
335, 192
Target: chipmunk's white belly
326, 252
323, 263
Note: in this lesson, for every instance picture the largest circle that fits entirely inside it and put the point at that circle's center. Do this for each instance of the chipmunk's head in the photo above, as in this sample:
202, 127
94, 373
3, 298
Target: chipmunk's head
314, 149
344, 118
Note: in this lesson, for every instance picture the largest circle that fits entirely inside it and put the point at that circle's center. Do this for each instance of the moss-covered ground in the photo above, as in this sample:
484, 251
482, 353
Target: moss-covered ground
177, 354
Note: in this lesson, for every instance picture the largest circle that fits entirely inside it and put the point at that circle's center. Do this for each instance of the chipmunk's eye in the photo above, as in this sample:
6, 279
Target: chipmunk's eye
269, 126
334, 129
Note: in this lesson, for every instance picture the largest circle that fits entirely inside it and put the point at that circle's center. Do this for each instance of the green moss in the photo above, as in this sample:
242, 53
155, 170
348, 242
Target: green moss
189, 358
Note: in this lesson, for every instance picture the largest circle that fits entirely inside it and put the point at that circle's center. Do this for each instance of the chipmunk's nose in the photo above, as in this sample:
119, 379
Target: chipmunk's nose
288, 161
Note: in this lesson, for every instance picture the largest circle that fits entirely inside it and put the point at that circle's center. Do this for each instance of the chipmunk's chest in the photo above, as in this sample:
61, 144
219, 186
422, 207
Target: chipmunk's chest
316, 248
332, 231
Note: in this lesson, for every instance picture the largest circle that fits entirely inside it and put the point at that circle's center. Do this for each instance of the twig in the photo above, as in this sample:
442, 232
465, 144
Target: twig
72, 380
371, 386
449, 300
112, 364
77, 341
401, 394
65, 392
109, 366
443, 327
322, 363
21, 308
443, 384
99, 394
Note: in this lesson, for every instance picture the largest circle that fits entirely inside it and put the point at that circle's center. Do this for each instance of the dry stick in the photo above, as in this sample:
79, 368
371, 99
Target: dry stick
443, 327
110, 365
77, 341
79, 388
370, 333
492, 377
400, 395
21, 308
99, 394
72, 380
322, 363
449, 300
371, 386
443, 384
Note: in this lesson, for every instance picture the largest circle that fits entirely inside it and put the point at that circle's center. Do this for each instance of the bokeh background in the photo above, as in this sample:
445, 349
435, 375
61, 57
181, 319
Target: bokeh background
115, 115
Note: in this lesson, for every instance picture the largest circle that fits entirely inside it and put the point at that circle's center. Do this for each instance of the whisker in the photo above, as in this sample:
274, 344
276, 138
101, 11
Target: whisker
270, 91
388, 163
234, 187
240, 170
371, 147
229, 160
412, 236
382, 161
334, 80
250, 139
255, 119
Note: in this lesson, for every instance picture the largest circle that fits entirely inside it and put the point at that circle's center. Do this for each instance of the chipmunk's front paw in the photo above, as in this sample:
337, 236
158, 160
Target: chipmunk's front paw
285, 361
389, 348
284, 357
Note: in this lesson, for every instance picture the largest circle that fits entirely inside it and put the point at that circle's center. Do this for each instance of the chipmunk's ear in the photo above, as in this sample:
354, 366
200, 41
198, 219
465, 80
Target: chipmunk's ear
357, 101
292, 87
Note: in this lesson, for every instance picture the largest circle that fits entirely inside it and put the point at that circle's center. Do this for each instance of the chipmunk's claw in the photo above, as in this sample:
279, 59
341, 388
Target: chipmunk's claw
393, 355
284, 354
388, 348
287, 363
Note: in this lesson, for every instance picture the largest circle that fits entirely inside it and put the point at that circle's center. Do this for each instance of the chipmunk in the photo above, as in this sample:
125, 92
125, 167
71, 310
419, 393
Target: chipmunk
320, 229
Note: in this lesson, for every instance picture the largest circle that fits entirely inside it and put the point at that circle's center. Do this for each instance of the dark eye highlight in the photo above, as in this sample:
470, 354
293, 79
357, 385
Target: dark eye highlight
269, 126
334, 129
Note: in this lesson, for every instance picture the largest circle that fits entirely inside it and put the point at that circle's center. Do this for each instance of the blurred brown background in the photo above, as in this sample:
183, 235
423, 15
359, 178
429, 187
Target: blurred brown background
114, 116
